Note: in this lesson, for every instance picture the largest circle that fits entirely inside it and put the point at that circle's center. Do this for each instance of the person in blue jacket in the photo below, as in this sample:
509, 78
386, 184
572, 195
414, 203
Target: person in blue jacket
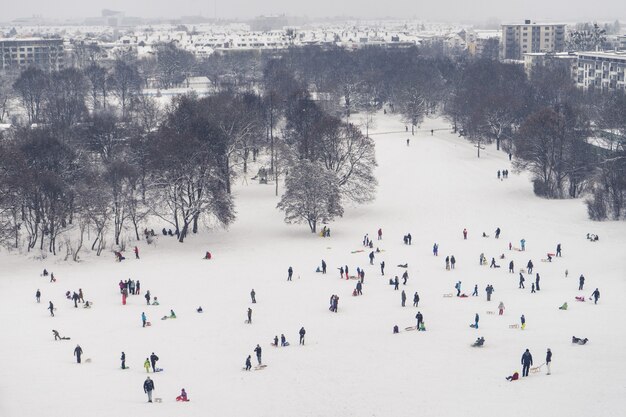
527, 361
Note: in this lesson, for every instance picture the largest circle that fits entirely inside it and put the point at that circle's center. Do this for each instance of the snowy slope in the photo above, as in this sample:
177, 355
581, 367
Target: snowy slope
352, 364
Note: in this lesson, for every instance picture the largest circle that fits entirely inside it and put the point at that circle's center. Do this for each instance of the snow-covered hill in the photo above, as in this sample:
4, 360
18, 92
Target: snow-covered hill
352, 364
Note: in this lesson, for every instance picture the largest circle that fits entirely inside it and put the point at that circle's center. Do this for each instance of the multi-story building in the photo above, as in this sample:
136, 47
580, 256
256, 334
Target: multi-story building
568, 60
622, 42
602, 70
48, 54
519, 39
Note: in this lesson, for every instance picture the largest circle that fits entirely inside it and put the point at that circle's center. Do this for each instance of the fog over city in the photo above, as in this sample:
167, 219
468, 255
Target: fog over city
447, 10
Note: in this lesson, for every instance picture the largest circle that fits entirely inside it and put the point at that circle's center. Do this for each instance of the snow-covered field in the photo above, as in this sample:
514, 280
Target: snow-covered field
352, 364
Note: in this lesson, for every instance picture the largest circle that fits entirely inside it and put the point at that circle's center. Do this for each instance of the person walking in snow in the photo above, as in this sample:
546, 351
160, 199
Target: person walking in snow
371, 258
78, 351
457, 286
447, 263
346, 270
75, 299
581, 282
249, 316
532, 288
498, 233
521, 280
476, 318
253, 296
148, 387
403, 296
493, 263
511, 267
359, 288
302, 332
138, 288
527, 361
416, 299
136, 250
501, 308
396, 283
341, 272
147, 297
537, 278
452, 261
489, 290
464, 234
529, 266
323, 266
153, 360
523, 321
380, 234
523, 244
420, 319
595, 295
558, 253
258, 352
498, 174
248, 363
548, 360
405, 277
283, 340
382, 268
435, 249
51, 308
144, 319
146, 365
123, 359
290, 273
81, 296
475, 293
38, 295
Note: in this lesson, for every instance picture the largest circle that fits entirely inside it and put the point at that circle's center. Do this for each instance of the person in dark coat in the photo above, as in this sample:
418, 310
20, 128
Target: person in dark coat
51, 308
529, 266
249, 316
153, 360
595, 295
416, 299
521, 280
75, 299
558, 253
302, 332
548, 360
409, 238
78, 351
290, 273
248, 363
359, 288
148, 387
371, 255
38, 295
382, 268
323, 266
511, 267
476, 318
396, 282
489, 290
147, 297
537, 278
253, 296
498, 233
452, 261
475, 293
420, 319
403, 295
581, 282
258, 352
527, 361
341, 271
405, 277
123, 359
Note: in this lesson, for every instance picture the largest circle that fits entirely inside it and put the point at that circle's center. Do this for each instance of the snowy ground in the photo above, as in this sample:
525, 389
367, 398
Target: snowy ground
352, 364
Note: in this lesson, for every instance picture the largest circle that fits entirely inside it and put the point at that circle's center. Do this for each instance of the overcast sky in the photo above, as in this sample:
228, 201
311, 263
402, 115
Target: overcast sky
449, 10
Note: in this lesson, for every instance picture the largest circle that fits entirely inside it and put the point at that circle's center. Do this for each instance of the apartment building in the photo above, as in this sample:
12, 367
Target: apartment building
602, 70
48, 54
519, 39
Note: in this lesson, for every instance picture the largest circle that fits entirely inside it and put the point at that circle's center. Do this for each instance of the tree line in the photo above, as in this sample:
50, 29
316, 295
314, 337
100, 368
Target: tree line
89, 152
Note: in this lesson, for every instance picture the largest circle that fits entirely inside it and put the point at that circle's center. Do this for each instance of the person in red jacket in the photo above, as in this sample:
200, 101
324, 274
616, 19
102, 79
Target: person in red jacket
136, 250
513, 377
182, 396
380, 234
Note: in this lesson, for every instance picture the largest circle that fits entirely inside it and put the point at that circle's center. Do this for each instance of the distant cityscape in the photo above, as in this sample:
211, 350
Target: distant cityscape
34, 41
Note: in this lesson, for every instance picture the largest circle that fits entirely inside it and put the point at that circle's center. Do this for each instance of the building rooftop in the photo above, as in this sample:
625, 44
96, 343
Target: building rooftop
605, 54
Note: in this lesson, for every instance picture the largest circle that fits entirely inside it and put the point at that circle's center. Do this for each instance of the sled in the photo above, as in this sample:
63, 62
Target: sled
158, 400
358, 251
536, 369
490, 312
551, 254
473, 326
67, 338
517, 249
448, 294
148, 323
410, 328
545, 260
582, 299
260, 367
88, 360
353, 277
513, 326
158, 370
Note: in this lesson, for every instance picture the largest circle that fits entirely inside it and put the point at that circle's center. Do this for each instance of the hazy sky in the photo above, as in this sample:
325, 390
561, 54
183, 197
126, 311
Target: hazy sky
451, 10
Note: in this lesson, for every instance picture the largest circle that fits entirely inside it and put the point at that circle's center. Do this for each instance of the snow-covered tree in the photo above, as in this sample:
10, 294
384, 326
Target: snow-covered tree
312, 195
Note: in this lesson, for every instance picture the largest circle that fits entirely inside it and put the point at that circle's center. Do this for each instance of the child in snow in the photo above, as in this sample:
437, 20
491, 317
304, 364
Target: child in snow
182, 396
513, 377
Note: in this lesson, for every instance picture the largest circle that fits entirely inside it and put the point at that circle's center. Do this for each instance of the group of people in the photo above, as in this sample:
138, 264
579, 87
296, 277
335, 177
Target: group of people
503, 174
